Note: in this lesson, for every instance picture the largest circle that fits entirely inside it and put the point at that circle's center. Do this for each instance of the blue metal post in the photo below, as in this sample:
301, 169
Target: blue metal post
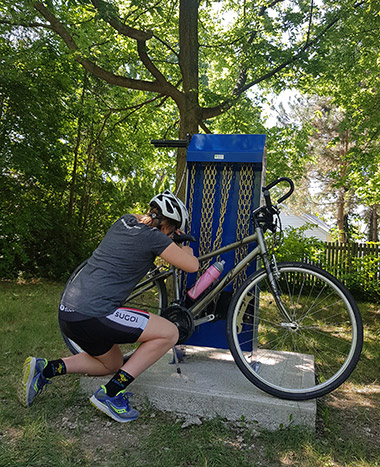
239, 154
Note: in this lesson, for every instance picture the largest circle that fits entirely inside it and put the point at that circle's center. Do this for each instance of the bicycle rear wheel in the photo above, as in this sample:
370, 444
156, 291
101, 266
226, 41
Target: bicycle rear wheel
311, 355
149, 295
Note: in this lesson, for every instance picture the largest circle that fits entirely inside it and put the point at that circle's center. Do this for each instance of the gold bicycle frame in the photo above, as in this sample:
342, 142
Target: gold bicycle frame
199, 306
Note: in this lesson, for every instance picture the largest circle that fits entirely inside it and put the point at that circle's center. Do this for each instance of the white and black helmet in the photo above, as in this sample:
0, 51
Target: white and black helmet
171, 207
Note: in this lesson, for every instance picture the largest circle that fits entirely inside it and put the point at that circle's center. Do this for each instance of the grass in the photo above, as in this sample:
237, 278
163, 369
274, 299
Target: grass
63, 429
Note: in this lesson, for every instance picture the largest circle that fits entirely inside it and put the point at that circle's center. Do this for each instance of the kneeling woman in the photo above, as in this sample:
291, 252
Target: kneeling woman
91, 312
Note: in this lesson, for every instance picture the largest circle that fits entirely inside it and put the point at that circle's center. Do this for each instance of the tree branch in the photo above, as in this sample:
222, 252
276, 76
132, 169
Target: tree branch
109, 15
205, 128
168, 46
227, 104
147, 62
241, 81
109, 77
310, 21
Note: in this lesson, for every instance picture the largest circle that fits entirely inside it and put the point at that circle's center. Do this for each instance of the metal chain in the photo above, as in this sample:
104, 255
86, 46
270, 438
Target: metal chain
191, 197
246, 184
207, 212
208, 202
224, 194
190, 211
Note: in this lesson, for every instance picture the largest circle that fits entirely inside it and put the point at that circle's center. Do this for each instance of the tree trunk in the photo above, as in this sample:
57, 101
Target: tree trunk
189, 110
76, 150
373, 231
340, 216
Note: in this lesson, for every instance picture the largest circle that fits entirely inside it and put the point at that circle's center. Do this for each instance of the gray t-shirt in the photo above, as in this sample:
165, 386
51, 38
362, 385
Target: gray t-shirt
120, 261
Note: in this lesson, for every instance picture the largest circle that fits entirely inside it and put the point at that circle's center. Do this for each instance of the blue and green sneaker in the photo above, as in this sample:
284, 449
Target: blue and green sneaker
33, 380
115, 407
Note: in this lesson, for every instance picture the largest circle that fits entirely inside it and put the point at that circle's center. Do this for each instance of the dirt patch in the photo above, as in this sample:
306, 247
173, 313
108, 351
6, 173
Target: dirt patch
96, 431
348, 414
356, 411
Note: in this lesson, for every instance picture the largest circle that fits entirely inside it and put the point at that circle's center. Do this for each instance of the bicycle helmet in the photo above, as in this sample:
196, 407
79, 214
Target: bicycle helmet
171, 207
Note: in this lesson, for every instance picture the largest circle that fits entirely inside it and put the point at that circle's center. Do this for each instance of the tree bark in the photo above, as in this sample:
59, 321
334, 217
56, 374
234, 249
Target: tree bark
340, 216
341, 202
190, 111
76, 151
373, 230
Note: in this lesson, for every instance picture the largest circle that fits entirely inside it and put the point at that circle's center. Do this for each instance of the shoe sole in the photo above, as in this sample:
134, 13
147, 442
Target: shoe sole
27, 379
103, 408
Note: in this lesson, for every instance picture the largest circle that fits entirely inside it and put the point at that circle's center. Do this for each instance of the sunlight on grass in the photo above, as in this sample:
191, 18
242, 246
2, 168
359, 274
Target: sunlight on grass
13, 435
355, 395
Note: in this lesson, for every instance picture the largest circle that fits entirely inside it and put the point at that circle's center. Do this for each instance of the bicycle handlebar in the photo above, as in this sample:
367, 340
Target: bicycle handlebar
266, 190
263, 215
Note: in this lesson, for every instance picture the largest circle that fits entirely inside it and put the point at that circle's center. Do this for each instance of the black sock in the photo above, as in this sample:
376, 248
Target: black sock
119, 381
54, 368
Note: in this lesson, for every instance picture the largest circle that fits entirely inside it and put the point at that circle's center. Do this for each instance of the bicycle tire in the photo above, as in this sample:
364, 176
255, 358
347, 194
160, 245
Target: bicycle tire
304, 359
153, 298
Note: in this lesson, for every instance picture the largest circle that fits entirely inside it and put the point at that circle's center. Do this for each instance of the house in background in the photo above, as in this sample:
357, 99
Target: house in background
318, 229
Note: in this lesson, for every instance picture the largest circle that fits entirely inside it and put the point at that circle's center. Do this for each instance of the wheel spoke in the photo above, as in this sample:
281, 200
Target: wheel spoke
311, 355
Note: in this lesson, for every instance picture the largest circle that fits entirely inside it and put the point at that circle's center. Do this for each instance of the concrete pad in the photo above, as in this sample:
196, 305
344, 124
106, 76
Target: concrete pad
210, 385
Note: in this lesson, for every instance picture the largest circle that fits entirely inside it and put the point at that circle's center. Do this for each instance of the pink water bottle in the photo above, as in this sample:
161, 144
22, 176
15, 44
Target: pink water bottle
206, 279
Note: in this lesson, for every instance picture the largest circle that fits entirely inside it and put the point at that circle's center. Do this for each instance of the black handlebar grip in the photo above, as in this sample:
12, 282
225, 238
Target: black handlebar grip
274, 183
286, 195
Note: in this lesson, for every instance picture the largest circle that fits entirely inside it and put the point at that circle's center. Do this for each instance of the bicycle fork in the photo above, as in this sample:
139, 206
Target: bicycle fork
273, 275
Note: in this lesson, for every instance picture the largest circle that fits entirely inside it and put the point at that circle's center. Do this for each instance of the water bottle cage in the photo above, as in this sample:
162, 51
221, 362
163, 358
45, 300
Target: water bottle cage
205, 292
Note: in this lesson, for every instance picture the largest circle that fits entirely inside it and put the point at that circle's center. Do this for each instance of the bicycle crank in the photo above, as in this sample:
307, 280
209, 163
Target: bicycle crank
182, 318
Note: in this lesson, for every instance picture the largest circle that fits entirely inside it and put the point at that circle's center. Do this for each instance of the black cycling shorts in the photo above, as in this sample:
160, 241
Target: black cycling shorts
96, 336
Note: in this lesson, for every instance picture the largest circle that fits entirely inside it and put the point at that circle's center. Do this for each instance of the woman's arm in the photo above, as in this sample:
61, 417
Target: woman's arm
182, 258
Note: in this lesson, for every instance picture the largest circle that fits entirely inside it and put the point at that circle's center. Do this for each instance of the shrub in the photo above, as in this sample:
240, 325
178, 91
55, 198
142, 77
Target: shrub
297, 247
361, 277
358, 272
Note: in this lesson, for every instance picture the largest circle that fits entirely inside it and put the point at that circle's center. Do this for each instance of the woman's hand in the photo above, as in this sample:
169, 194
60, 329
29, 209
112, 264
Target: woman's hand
182, 258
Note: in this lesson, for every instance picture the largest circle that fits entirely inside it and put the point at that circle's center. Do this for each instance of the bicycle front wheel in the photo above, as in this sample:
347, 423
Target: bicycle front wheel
307, 356
149, 295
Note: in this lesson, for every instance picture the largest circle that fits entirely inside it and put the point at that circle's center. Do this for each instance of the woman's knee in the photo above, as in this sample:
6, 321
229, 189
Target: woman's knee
174, 334
160, 328
168, 331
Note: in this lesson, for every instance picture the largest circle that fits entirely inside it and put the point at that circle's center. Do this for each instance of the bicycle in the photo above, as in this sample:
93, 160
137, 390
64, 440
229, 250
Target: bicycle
284, 319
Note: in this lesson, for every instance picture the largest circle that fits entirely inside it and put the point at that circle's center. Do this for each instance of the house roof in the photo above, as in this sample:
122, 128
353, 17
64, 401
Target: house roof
315, 220
307, 218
